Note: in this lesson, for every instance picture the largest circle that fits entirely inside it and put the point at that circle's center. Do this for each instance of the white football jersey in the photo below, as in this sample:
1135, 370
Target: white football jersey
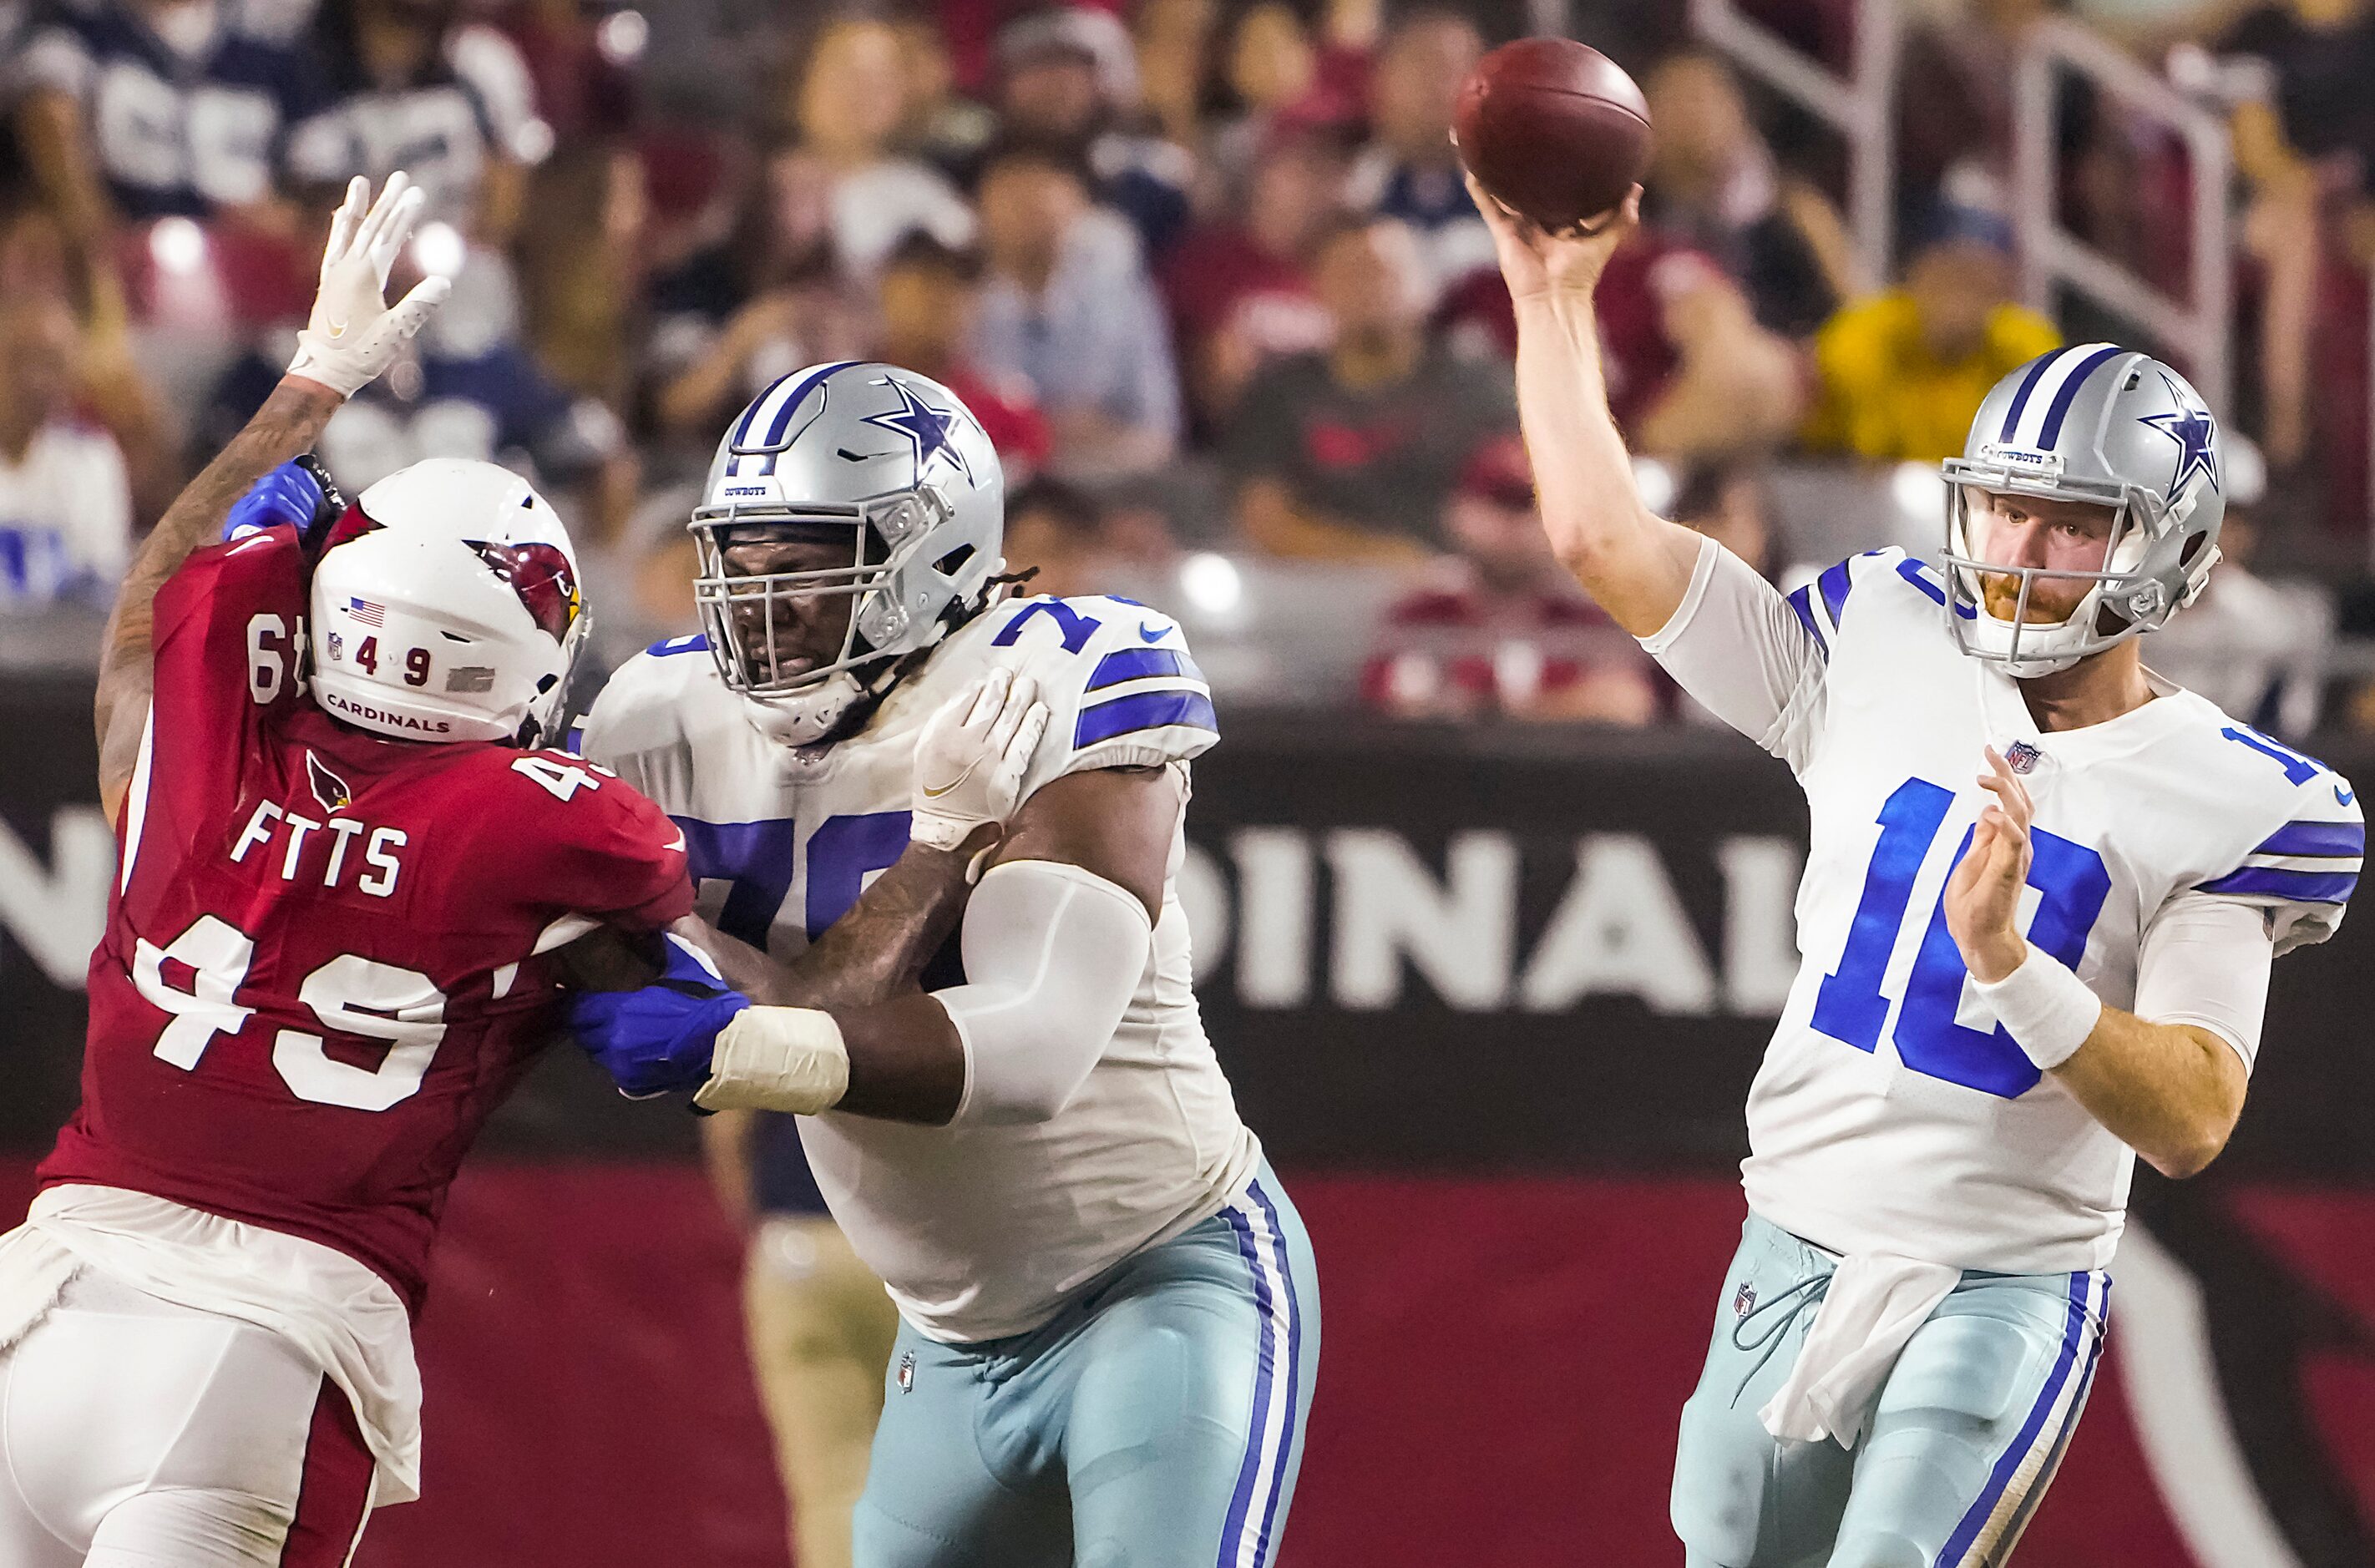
1893, 1113
978, 1231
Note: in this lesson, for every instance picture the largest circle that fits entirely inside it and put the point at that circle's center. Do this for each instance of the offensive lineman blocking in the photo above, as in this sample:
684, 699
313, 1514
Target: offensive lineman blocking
1110, 1310
2013, 985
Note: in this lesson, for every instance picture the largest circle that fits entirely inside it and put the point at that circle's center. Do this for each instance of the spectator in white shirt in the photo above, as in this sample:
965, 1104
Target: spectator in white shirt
1068, 307
852, 101
65, 507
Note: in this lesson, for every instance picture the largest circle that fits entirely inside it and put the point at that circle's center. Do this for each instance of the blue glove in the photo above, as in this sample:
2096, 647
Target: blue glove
659, 1038
288, 494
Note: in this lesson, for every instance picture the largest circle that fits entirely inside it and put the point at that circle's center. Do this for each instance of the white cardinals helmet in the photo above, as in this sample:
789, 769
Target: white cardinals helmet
446, 608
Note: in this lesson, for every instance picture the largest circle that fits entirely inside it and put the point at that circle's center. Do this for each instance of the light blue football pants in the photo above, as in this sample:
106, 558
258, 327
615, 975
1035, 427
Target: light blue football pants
1956, 1454
1156, 1422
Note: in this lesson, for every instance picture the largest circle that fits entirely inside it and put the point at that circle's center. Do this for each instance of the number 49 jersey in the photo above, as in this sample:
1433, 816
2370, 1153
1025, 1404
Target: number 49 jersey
320, 970
978, 1231
1892, 1112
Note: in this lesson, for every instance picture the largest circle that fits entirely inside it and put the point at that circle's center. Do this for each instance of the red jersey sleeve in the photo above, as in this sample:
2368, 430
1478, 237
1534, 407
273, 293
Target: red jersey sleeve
571, 838
230, 631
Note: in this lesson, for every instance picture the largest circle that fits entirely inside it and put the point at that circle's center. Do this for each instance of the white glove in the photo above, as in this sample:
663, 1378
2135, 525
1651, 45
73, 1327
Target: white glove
353, 334
970, 762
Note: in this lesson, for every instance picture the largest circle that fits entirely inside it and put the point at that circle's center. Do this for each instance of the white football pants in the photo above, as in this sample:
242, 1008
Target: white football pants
135, 1433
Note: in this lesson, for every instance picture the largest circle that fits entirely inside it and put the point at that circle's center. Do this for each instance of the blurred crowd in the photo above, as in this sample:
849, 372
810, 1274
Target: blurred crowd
1205, 269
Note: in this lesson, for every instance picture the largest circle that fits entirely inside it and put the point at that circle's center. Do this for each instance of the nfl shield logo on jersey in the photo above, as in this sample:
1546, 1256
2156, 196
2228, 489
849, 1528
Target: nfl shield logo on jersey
907, 1373
2021, 757
1744, 1300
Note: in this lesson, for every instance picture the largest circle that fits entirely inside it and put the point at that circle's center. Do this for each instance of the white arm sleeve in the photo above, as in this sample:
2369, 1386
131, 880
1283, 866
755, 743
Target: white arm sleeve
1736, 645
1053, 954
2204, 962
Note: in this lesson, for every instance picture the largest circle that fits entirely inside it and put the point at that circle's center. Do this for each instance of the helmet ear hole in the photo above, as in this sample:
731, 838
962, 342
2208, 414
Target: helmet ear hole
953, 562
2193, 547
881, 620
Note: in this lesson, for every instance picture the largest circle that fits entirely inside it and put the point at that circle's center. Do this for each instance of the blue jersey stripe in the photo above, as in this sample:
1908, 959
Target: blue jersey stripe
1144, 709
2302, 887
697, 642
1803, 601
1911, 572
1835, 585
1137, 664
2316, 838
2059, 409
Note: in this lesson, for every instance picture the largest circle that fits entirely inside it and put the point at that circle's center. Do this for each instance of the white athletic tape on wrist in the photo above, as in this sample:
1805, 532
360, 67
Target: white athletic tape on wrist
2045, 1008
777, 1059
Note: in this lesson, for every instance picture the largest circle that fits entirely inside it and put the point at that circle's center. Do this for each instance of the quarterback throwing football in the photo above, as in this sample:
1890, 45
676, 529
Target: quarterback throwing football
2038, 911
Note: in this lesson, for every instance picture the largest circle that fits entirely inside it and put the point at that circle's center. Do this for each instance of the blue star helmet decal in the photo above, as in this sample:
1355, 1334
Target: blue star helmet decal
2195, 432
926, 427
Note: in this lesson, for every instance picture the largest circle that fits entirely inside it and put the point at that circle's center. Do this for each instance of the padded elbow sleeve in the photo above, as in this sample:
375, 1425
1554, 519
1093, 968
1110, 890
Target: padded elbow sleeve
1051, 955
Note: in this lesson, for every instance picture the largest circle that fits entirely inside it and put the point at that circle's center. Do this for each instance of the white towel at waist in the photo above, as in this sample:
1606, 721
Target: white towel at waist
1874, 1304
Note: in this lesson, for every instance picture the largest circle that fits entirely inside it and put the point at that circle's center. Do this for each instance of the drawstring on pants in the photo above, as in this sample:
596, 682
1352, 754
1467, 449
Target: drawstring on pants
1807, 1293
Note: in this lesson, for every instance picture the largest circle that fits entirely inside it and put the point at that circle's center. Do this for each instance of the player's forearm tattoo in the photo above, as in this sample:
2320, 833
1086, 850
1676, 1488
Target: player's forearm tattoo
289, 422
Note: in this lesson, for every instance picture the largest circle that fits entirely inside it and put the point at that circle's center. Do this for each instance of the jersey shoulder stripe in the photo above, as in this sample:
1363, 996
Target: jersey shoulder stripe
1144, 709
2311, 862
1802, 604
2297, 887
1821, 604
1121, 687
1140, 664
2302, 836
2335, 839
1837, 581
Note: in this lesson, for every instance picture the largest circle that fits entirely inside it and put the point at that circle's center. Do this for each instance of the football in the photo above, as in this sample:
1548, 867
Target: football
1553, 129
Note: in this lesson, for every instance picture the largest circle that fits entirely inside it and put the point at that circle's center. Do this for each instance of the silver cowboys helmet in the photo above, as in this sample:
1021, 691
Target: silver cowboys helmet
2093, 423
890, 461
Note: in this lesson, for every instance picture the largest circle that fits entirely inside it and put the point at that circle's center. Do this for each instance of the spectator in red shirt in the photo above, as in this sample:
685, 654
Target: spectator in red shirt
1691, 375
1284, 78
1346, 453
930, 291
1503, 629
1240, 289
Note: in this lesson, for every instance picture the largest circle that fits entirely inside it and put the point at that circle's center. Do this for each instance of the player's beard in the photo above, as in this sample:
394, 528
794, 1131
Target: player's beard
2001, 591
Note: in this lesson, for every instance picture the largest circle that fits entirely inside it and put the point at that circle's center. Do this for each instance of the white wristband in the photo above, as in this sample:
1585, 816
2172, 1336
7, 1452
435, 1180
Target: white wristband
777, 1059
2045, 1008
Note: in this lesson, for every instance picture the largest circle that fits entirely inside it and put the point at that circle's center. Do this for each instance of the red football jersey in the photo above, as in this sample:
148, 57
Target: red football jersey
319, 974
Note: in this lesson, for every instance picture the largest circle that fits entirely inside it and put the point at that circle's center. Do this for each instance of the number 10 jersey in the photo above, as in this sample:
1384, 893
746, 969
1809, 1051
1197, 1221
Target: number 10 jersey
1893, 1113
